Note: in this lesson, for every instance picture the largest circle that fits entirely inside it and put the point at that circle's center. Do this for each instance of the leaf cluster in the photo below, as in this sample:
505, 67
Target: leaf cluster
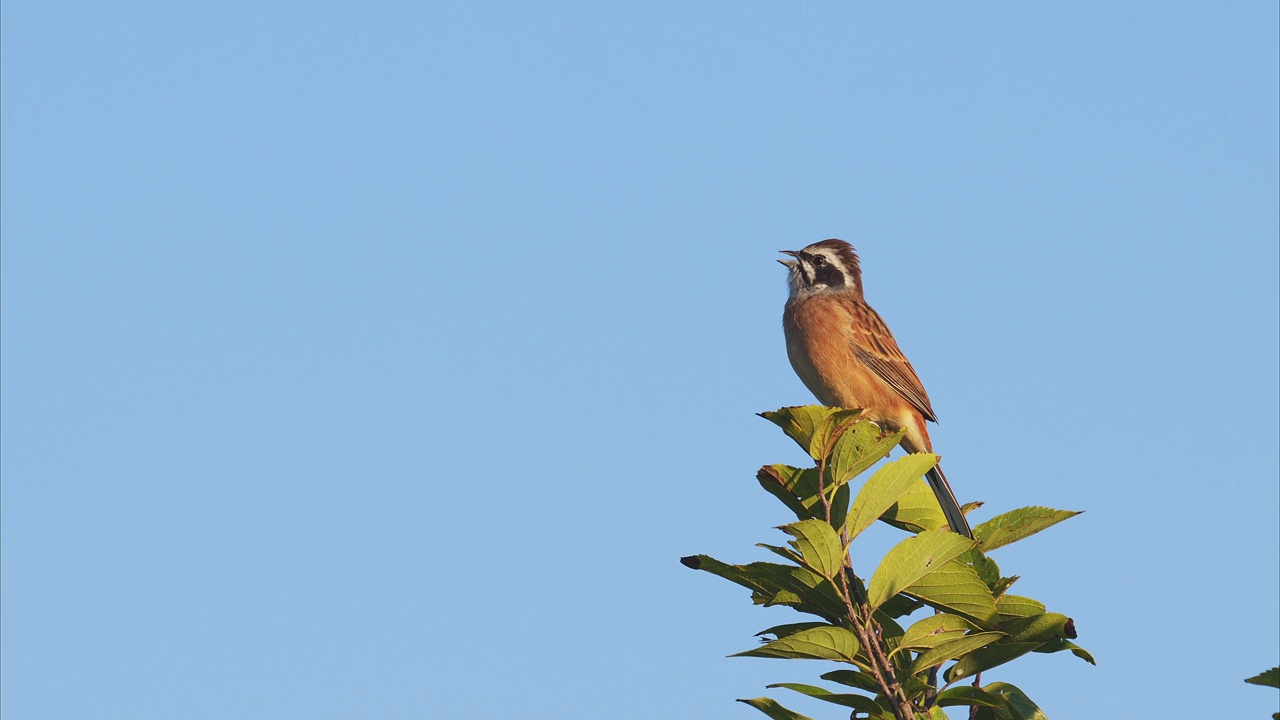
891, 664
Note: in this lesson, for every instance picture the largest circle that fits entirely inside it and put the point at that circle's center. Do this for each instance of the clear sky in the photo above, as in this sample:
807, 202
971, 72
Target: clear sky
380, 360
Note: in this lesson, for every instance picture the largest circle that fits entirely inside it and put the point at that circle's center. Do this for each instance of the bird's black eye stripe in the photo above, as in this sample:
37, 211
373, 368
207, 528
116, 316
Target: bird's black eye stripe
826, 273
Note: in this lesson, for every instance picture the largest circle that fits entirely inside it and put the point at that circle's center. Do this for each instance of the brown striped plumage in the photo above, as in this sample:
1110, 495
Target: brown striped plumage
844, 353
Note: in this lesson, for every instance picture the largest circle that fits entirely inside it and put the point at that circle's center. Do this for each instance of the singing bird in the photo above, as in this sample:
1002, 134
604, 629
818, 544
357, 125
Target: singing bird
844, 353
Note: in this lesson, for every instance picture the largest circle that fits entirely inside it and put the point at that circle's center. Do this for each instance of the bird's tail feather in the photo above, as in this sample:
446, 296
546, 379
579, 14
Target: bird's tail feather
947, 499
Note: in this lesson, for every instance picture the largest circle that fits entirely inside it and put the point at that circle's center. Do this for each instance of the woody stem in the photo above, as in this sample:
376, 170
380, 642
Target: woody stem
860, 615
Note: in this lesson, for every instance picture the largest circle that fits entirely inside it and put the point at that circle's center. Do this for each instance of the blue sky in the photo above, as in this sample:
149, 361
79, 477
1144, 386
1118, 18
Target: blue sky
380, 360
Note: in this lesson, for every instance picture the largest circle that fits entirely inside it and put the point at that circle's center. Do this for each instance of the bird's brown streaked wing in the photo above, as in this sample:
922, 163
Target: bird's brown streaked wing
876, 348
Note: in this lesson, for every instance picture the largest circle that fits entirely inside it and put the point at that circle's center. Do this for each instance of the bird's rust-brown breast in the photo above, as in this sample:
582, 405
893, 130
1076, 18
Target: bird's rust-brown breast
821, 332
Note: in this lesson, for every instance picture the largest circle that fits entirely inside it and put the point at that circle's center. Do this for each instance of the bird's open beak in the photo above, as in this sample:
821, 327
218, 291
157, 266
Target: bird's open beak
792, 253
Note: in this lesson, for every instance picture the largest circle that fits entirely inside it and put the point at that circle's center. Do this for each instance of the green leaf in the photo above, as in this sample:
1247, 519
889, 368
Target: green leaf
1041, 628
775, 584
1270, 678
857, 448
1017, 524
812, 426
890, 630
900, 606
969, 695
785, 552
885, 487
796, 488
952, 649
1059, 645
986, 568
989, 571
857, 702
771, 708
840, 506
986, 658
1017, 704
1011, 606
781, 631
956, 587
828, 642
817, 594
819, 546
852, 678
915, 686
916, 511
785, 598
1001, 586
912, 559
933, 631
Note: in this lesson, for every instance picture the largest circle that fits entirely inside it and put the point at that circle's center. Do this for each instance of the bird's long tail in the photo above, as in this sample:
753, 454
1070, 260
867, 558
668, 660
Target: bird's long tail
947, 499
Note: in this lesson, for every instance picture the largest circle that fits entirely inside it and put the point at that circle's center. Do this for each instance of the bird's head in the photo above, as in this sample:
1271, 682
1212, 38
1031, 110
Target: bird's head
822, 267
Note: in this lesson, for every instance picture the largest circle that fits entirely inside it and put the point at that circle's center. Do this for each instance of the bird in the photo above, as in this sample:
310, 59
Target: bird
845, 355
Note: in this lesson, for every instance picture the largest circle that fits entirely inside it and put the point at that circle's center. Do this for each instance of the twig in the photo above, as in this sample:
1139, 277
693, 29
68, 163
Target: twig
860, 615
